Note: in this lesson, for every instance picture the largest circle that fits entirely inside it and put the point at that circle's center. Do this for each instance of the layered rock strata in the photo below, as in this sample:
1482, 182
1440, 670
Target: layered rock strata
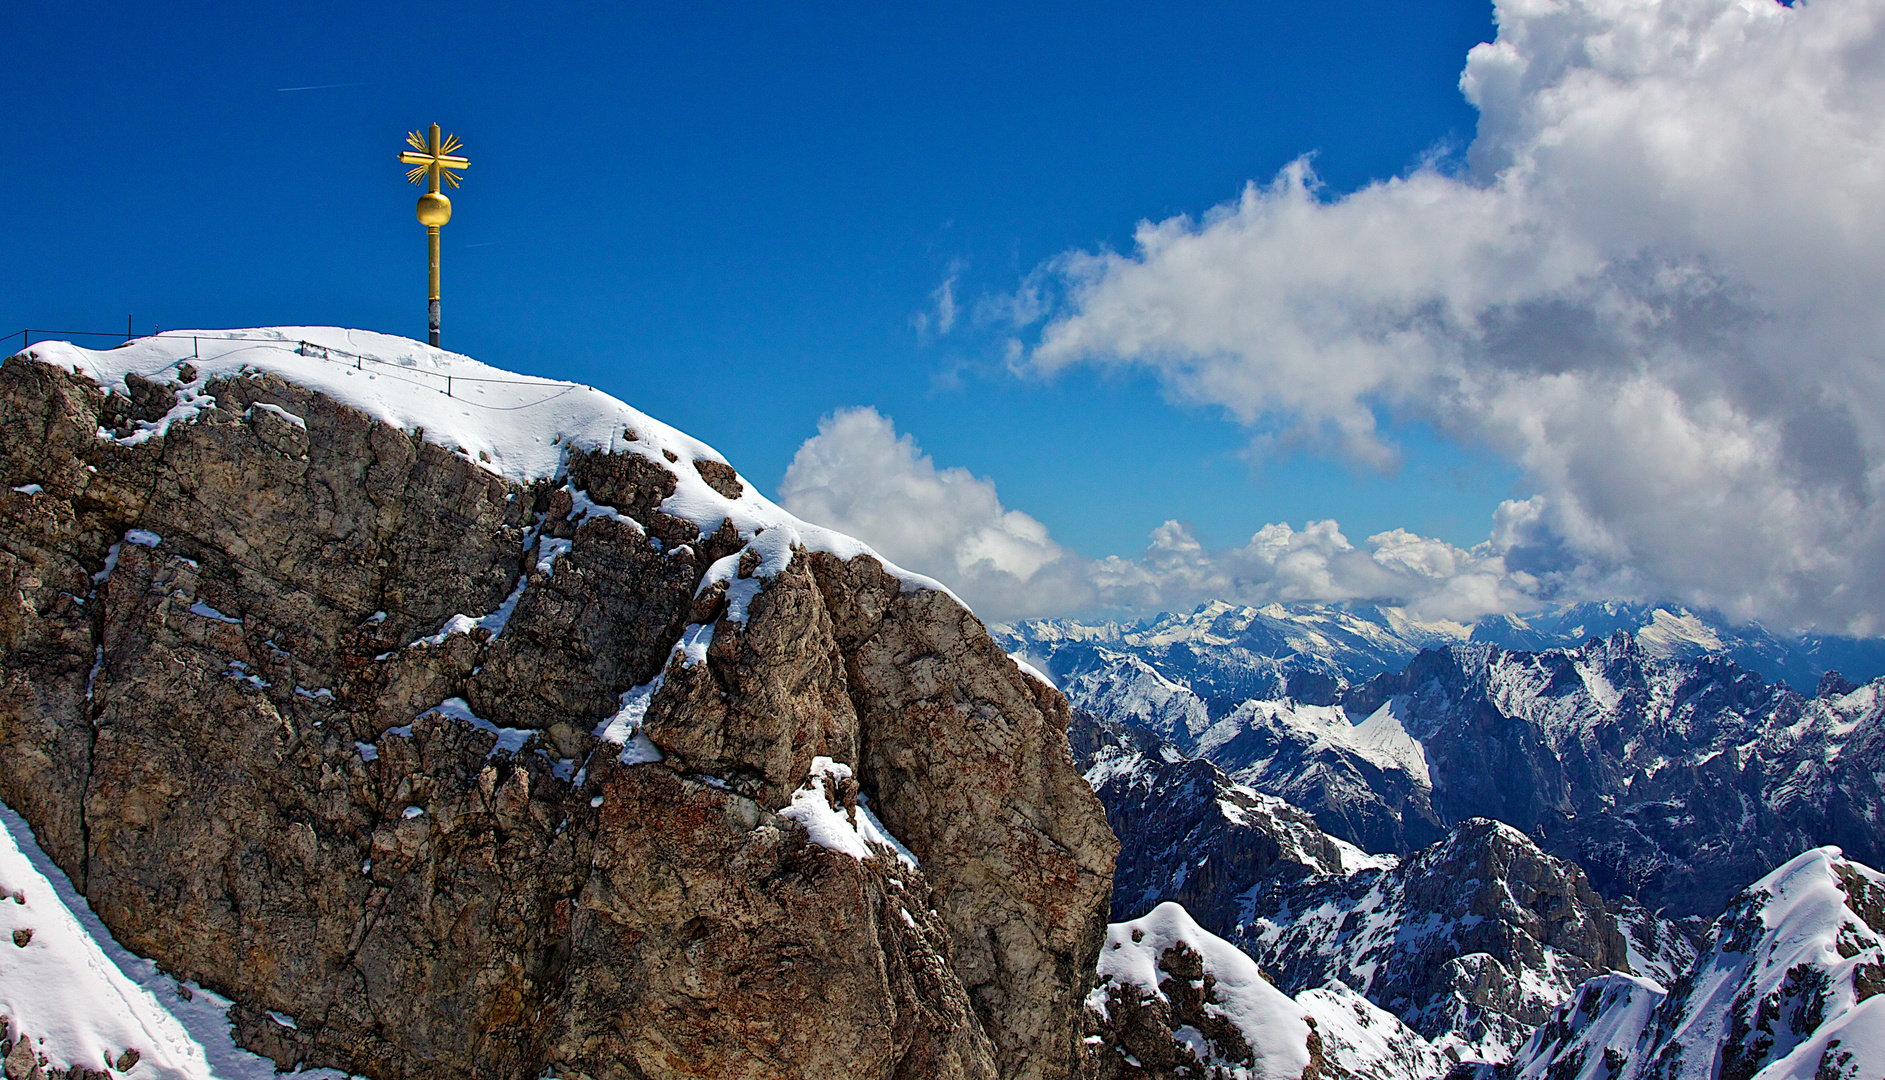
244, 709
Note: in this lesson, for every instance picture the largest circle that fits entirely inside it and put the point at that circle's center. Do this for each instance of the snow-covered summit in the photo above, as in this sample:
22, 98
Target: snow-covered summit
520, 427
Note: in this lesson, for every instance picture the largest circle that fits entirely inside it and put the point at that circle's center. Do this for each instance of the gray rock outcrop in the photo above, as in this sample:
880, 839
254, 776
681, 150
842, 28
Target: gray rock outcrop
242, 707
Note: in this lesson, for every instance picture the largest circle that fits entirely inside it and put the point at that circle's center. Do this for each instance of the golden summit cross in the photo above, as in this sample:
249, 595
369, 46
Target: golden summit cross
432, 160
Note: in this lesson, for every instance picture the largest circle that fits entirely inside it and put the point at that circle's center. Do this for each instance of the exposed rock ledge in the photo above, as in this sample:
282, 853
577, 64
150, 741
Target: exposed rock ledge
234, 710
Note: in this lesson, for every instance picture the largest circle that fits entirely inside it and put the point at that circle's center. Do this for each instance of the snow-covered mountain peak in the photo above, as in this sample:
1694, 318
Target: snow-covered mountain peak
520, 427
1678, 633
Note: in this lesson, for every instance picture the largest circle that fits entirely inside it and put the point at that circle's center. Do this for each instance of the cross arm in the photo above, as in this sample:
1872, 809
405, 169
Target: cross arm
446, 161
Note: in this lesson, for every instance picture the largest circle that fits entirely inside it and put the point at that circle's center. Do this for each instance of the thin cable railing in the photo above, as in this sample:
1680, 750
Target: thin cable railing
26, 335
358, 361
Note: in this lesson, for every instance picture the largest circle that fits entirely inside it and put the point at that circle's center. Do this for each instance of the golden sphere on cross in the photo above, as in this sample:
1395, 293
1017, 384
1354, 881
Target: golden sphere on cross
434, 209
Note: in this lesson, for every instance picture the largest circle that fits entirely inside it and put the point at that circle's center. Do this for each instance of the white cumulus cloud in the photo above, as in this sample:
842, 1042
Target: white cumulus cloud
1657, 284
860, 476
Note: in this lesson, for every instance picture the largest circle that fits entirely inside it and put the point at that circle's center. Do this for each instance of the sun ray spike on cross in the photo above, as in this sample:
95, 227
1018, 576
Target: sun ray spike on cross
432, 160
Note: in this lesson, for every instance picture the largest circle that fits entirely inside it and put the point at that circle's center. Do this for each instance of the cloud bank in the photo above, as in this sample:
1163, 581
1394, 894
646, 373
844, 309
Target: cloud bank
1657, 283
860, 476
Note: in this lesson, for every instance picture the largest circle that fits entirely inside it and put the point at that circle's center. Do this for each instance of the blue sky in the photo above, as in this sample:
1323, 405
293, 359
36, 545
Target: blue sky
731, 215
1581, 296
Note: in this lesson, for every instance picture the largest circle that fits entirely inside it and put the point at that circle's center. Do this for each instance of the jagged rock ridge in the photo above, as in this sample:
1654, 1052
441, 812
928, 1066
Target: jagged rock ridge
1670, 781
1192, 835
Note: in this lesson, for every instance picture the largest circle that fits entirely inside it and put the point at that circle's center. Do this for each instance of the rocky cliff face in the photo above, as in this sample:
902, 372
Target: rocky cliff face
474, 773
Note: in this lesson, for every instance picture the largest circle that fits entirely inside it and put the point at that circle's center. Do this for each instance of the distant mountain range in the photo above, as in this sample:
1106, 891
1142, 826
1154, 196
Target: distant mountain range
1557, 807
1470, 942
1673, 781
1228, 653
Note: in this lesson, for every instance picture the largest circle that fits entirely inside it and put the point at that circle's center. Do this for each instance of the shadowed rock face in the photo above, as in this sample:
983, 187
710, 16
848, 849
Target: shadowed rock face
218, 716
1472, 942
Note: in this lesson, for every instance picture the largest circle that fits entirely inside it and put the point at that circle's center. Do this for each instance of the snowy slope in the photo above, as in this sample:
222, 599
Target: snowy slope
1361, 1039
82, 1000
1121, 686
1791, 986
1366, 782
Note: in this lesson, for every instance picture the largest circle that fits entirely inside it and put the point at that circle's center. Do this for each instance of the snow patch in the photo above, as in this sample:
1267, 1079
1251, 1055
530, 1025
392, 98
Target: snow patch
276, 410
693, 644
624, 728
1381, 738
1029, 669
509, 740
207, 612
465, 624
811, 806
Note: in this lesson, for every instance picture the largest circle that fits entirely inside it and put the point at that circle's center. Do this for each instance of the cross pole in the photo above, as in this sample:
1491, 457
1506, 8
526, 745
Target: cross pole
432, 159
